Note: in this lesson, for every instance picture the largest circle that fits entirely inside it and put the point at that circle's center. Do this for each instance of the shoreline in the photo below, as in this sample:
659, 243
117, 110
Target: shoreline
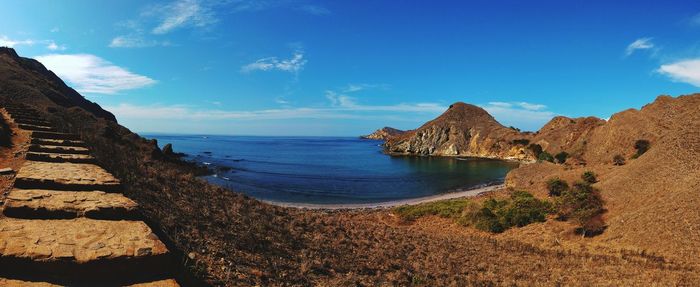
389, 204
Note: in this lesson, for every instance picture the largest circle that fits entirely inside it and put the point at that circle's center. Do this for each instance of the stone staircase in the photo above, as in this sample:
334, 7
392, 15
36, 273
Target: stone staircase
64, 222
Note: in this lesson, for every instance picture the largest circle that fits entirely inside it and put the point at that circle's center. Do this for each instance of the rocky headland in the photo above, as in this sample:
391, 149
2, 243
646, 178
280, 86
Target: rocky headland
384, 133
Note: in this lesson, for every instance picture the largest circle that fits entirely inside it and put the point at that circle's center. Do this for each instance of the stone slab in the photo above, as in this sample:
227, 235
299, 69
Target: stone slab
59, 157
30, 127
52, 204
31, 121
78, 240
64, 176
59, 149
82, 252
57, 142
55, 135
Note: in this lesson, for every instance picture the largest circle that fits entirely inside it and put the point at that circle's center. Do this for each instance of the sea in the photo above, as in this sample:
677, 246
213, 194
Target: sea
329, 170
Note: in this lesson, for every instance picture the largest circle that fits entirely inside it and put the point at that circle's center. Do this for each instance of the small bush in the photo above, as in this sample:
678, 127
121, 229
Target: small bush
618, 160
523, 142
589, 177
583, 204
556, 186
536, 150
520, 210
561, 157
641, 146
545, 156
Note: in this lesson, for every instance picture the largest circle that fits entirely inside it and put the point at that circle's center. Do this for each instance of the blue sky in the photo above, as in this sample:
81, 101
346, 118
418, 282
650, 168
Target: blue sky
304, 67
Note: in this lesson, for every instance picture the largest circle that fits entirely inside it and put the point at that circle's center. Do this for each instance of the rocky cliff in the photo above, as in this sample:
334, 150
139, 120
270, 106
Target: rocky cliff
383, 134
463, 130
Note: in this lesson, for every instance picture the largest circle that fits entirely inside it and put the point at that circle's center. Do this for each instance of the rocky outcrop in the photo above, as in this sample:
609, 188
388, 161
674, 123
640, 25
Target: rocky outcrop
21, 72
384, 133
463, 130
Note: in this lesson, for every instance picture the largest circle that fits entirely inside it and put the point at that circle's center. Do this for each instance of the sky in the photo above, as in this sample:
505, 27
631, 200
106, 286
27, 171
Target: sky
346, 68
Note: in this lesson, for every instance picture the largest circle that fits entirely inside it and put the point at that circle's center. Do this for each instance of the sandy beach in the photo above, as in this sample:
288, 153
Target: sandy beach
394, 203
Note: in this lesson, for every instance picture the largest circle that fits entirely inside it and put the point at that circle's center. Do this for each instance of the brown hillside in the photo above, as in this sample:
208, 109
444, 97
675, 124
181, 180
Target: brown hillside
652, 201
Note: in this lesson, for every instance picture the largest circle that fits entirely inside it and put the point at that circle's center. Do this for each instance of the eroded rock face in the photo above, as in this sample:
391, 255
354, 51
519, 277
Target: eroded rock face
384, 134
463, 130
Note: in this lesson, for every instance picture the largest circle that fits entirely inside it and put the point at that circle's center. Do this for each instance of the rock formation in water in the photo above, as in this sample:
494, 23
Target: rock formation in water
463, 130
384, 134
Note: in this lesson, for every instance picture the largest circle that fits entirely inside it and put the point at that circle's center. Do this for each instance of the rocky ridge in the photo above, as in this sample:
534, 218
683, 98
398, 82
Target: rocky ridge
384, 133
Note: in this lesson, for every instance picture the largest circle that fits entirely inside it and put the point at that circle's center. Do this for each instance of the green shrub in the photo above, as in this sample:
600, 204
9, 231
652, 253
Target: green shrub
556, 186
589, 177
583, 204
520, 210
561, 157
523, 142
525, 209
536, 149
545, 156
641, 146
618, 160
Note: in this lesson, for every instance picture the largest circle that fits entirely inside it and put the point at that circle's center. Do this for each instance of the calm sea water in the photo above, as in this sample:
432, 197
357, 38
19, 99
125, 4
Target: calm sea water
329, 169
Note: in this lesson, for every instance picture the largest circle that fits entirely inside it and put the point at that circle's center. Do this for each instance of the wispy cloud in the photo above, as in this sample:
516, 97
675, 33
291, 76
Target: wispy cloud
92, 74
55, 47
135, 41
153, 112
182, 13
11, 43
294, 64
639, 44
686, 71
525, 115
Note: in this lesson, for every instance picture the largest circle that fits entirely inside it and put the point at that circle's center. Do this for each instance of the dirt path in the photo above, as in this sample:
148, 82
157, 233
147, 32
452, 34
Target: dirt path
395, 203
65, 222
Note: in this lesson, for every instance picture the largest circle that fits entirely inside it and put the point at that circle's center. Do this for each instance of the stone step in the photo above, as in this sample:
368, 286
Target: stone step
59, 149
55, 136
60, 157
31, 122
53, 204
20, 283
36, 128
82, 251
18, 119
56, 142
65, 176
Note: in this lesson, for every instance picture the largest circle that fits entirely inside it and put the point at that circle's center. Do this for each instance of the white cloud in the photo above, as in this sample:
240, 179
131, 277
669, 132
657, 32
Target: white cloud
92, 74
293, 65
525, 115
338, 100
55, 47
182, 13
639, 44
531, 107
686, 71
134, 41
7, 42
55, 30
